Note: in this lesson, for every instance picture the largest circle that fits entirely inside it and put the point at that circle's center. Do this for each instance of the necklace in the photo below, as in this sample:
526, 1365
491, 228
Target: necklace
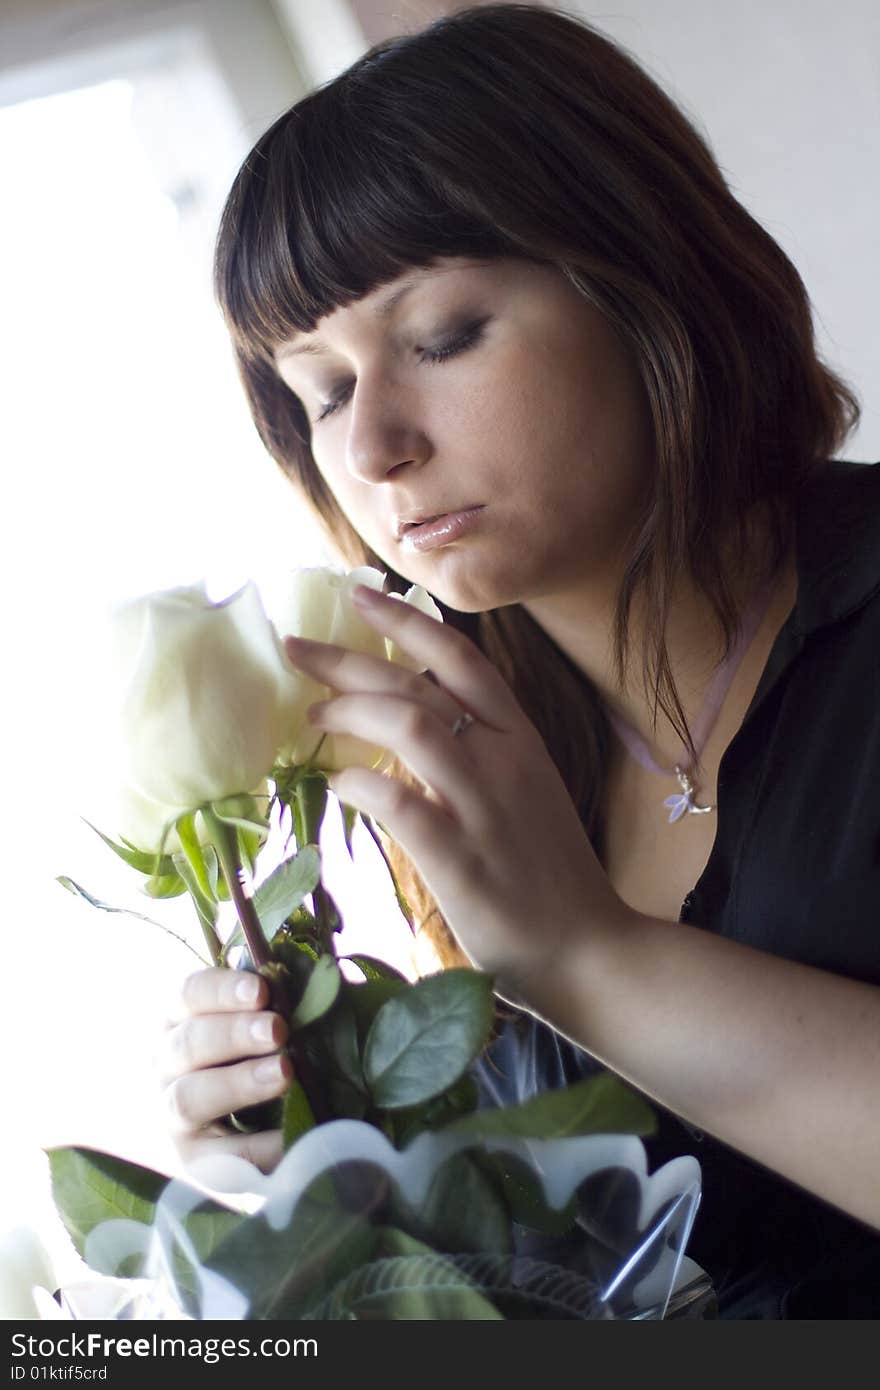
683, 803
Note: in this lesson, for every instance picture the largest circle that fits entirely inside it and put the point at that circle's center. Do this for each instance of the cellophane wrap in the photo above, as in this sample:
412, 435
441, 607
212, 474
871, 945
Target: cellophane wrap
341, 1229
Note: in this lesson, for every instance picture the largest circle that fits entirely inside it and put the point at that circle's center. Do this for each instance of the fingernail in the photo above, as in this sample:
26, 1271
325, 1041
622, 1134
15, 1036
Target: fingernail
262, 1029
365, 595
316, 712
269, 1071
247, 989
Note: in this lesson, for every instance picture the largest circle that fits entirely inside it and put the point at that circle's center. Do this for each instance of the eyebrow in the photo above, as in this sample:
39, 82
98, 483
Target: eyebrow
380, 311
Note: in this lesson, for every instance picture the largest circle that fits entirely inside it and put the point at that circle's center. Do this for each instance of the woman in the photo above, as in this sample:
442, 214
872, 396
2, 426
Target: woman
498, 315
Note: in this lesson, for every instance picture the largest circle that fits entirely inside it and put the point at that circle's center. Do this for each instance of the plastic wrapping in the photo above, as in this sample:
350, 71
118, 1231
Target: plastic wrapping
347, 1226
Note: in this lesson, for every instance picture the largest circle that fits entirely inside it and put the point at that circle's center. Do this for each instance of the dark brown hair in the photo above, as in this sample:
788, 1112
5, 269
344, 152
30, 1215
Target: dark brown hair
517, 130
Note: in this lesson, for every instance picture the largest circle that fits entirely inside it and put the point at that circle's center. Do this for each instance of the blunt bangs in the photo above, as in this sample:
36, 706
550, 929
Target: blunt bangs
335, 200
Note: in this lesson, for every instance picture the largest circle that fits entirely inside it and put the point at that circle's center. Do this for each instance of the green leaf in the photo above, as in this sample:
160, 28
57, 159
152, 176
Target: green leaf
349, 820
332, 1047
460, 1099
285, 1271
343, 1042
205, 907
300, 922
212, 865
79, 892
344, 1101
192, 849
405, 909
165, 886
253, 827
242, 809
296, 1116
319, 994
250, 843
598, 1105
207, 1225
463, 1210
524, 1195
89, 1187
146, 862
423, 1039
241, 815
310, 804
367, 999
286, 887
294, 951
375, 969
408, 1281
299, 830
236, 938
328, 914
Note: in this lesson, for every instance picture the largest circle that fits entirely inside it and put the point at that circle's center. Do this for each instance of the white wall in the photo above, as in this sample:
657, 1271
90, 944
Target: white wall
788, 93
326, 34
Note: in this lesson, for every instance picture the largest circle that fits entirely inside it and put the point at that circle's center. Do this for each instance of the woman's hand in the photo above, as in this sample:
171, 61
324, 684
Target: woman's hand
494, 834
219, 1054
776, 1058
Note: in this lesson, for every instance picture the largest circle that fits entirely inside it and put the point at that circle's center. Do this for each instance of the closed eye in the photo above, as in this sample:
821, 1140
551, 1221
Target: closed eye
468, 338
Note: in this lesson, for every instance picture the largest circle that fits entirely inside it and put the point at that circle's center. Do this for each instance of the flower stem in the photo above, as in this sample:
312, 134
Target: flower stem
212, 941
223, 840
205, 910
311, 799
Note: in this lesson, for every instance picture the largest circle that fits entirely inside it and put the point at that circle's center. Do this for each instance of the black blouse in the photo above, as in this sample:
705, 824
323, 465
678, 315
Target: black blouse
795, 870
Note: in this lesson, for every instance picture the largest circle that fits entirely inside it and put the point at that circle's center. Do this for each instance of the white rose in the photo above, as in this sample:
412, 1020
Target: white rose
204, 704
143, 822
24, 1266
210, 702
318, 605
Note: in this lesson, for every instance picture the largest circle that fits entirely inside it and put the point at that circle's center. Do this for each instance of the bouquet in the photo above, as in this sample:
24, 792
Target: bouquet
400, 1195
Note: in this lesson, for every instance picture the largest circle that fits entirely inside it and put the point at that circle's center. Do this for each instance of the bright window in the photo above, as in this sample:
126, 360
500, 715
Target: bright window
130, 464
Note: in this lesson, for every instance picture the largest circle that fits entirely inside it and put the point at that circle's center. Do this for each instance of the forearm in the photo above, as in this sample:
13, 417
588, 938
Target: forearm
777, 1059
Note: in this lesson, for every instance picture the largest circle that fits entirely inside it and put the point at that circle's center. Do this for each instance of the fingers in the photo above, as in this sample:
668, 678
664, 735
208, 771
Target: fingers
457, 663
219, 1053
264, 1149
424, 831
350, 672
463, 670
425, 742
218, 990
211, 1039
200, 1098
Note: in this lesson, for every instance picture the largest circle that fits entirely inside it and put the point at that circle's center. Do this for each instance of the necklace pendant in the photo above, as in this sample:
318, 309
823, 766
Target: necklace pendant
684, 803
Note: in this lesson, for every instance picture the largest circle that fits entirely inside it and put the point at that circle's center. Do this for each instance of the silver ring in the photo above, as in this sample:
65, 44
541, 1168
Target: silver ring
464, 721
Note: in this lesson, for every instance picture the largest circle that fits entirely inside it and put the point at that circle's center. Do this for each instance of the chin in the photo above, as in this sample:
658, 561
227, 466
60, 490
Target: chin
471, 578
474, 593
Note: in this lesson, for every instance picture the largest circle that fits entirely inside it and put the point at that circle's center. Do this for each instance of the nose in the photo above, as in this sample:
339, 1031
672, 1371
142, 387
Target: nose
384, 435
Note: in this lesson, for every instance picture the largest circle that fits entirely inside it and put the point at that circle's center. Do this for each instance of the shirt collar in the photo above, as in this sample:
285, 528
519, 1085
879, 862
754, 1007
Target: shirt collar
837, 543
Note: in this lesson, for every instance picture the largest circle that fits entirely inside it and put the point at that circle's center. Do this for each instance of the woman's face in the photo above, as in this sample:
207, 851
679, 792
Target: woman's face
481, 426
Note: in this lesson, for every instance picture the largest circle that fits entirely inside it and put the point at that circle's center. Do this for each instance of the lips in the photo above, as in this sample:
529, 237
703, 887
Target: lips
410, 522
413, 519
430, 532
